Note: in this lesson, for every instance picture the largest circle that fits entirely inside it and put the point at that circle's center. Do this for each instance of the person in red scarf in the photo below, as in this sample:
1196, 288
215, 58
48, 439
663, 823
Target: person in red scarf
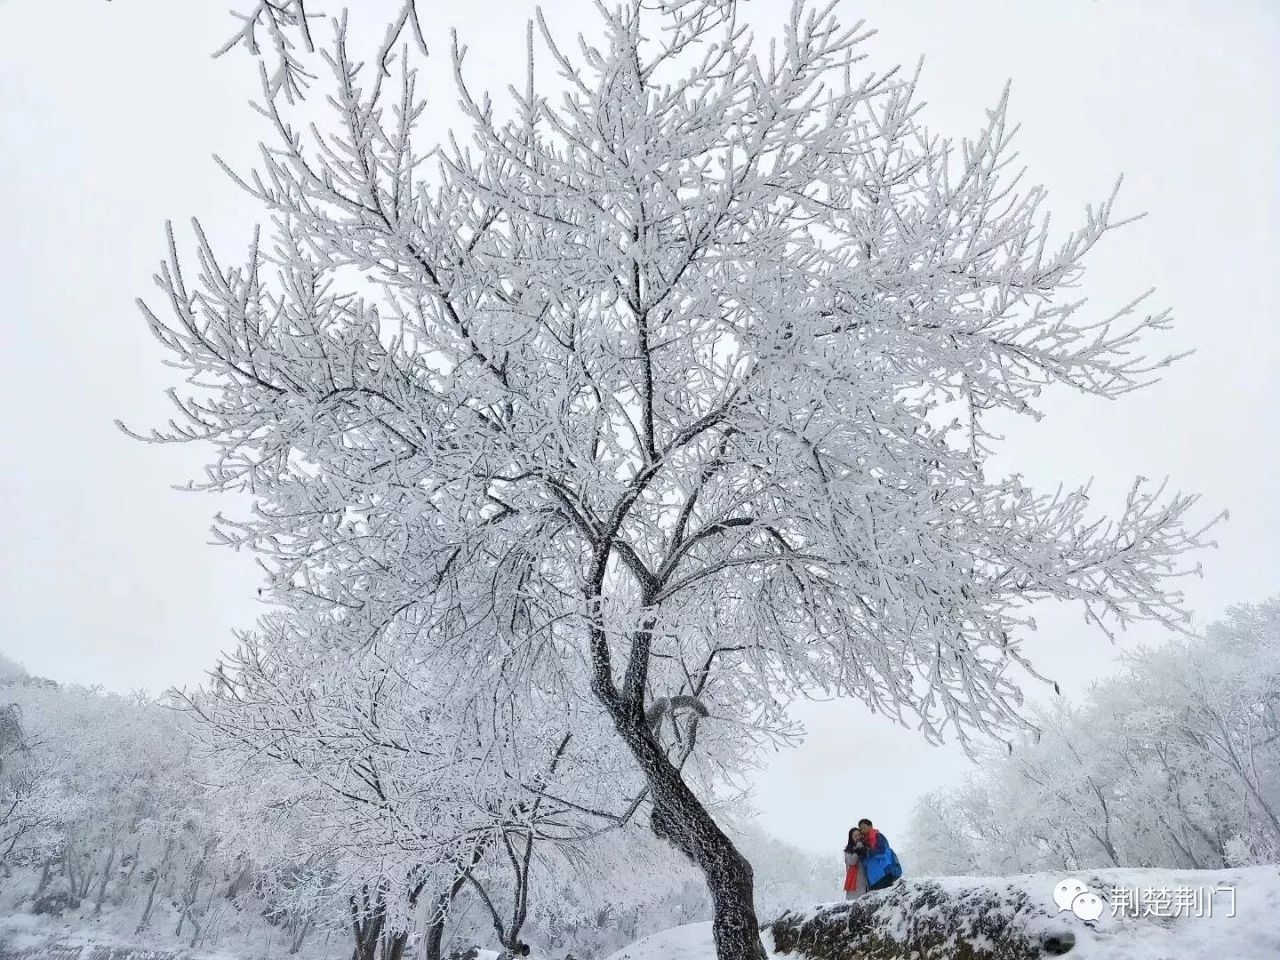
855, 877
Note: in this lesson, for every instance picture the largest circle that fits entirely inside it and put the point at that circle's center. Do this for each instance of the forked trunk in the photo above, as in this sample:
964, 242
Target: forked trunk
368, 917
393, 947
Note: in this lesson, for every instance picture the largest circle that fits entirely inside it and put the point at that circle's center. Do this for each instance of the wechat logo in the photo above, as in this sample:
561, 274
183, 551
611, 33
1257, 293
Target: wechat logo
1071, 894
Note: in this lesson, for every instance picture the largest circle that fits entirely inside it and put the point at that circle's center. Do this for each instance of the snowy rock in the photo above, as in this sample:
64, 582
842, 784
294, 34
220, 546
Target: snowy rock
930, 920
1224, 913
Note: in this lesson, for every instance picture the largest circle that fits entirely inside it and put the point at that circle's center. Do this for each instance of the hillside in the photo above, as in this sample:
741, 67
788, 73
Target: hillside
1016, 918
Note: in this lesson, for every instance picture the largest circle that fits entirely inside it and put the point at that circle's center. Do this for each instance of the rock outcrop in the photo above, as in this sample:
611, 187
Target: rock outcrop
928, 920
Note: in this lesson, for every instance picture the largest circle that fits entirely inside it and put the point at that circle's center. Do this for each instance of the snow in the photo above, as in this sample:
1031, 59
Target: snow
690, 942
24, 936
1252, 934
1024, 902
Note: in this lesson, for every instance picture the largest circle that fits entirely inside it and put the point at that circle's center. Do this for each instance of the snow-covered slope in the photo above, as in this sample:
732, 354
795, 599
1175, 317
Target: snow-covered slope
1017, 917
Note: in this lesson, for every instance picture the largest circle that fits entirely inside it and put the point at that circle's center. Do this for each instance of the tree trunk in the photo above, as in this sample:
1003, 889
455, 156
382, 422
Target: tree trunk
155, 882
193, 890
433, 941
133, 866
69, 870
86, 880
106, 876
45, 873
679, 817
367, 937
367, 924
393, 949
196, 933
299, 935
239, 878
146, 910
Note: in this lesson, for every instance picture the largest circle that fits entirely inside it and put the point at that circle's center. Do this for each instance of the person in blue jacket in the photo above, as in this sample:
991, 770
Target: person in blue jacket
878, 858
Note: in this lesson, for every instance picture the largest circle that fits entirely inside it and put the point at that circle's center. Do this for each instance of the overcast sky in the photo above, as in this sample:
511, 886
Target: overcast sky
109, 113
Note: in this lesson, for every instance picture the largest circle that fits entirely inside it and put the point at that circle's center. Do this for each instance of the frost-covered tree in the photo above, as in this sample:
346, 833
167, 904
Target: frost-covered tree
937, 842
1232, 712
414, 789
667, 389
122, 821
25, 806
1175, 762
11, 670
112, 814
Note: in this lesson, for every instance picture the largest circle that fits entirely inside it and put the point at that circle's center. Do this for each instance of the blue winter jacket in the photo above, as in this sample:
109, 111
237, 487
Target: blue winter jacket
880, 861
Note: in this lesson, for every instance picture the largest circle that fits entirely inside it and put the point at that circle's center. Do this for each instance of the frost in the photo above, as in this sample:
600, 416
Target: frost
658, 420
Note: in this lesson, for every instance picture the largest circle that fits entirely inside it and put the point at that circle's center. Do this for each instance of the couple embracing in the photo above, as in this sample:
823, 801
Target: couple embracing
870, 863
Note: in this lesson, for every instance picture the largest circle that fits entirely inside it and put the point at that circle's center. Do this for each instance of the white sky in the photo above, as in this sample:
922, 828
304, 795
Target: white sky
109, 113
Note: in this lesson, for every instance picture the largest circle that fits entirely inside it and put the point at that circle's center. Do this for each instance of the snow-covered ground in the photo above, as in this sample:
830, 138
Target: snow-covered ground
1022, 913
24, 936
926, 919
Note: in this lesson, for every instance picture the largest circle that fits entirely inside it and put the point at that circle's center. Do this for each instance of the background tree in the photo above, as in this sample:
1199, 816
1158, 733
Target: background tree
113, 815
1174, 763
416, 789
671, 395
